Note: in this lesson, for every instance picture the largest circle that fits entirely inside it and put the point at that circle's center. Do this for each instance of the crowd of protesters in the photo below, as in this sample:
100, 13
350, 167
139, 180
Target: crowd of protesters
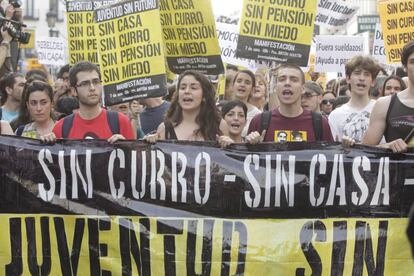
365, 107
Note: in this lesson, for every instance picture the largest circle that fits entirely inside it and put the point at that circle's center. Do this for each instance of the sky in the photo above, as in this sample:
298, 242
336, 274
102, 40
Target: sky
226, 7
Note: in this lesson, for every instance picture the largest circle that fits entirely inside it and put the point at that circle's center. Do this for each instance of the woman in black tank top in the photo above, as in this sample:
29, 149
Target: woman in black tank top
192, 114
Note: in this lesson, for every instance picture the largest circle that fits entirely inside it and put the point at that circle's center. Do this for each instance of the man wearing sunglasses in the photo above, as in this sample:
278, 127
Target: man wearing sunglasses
312, 97
351, 120
92, 121
327, 104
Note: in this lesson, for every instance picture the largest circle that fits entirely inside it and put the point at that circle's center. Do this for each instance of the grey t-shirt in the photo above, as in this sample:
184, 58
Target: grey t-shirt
152, 117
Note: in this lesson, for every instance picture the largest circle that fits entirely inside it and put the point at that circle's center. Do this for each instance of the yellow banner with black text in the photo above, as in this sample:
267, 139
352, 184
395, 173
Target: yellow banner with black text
89, 245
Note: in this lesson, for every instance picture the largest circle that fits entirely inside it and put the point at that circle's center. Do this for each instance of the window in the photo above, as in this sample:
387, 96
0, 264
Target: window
57, 6
29, 10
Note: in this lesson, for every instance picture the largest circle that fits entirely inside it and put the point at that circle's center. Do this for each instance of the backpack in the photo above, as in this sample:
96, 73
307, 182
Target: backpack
112, 117
316, 123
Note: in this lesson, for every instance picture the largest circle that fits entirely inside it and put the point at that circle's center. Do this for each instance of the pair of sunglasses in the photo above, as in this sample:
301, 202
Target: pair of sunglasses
328, 101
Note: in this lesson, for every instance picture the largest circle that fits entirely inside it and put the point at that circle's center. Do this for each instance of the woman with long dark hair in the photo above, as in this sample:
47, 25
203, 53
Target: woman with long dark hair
392, 85
37, 102
24, 116
192, 115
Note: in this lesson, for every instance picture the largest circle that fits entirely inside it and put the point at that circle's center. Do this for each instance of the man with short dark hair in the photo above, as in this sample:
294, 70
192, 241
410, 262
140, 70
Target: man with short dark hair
153, 114
393, 115
11, 88
61, 85
289, 122
64, 73
91, 121
351, 119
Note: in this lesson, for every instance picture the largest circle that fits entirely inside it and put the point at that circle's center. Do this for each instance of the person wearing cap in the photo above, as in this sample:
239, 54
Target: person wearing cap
312, 96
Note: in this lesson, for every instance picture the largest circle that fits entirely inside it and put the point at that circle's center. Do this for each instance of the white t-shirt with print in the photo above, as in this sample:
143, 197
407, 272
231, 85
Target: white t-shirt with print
349, 121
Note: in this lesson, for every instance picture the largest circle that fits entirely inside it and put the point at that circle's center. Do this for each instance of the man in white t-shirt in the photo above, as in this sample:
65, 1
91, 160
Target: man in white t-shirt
352, 118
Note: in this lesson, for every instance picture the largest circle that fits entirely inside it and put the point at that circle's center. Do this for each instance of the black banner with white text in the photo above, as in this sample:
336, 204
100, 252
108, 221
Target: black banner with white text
175, 208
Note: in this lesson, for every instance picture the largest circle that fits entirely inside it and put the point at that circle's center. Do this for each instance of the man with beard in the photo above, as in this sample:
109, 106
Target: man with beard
11, 89
351, 119
61, 85
91, 121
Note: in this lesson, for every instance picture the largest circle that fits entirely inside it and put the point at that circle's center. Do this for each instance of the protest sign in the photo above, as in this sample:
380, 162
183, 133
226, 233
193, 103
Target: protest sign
279, 31
51, 50
378, 49
81, 31
130, 50
367, 23
397, 21
186, 208
228, 35
190, 36
334, 13
332, 52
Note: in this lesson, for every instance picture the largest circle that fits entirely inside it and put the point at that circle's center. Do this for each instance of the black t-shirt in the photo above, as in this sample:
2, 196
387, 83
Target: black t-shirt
400, 121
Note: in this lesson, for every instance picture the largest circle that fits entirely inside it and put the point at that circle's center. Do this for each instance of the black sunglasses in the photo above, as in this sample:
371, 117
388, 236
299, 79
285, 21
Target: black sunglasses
328, 101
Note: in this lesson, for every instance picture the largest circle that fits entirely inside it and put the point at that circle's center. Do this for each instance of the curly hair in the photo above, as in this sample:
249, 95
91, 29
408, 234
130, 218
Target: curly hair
363, 62
208, 118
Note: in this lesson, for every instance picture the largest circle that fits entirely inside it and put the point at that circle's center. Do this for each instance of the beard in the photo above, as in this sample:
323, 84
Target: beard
87, 101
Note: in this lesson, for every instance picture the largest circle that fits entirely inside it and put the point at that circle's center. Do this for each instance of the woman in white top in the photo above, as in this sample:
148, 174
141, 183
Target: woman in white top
244, 83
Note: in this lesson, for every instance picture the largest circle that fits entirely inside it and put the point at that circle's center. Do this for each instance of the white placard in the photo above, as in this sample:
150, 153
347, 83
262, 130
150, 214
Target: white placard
228, 35
333, 51
334, 13
51, 50
378, 49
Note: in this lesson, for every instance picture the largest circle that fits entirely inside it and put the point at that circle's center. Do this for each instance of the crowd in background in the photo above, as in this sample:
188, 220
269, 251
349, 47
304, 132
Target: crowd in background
192, 110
